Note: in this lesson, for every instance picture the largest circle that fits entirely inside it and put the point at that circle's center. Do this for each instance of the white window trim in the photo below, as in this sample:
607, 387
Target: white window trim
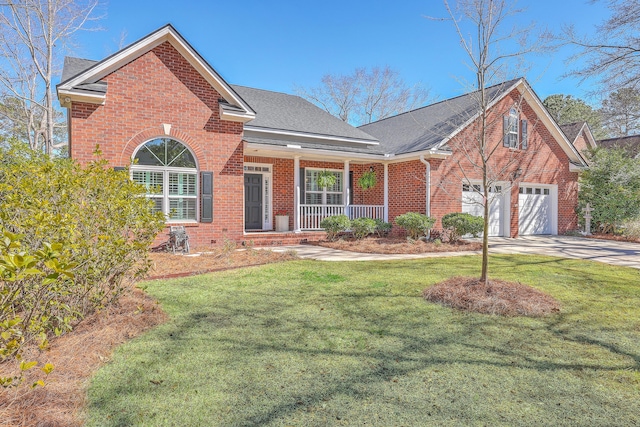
267, 211
165, 180
324, 191
514, 134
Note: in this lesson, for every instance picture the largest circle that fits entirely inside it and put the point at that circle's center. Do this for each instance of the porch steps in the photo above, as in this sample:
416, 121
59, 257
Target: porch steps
272, 238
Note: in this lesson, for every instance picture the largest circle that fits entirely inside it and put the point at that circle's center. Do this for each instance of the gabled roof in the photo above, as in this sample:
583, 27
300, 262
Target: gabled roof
428, 127
432, 127
573, 130
629, 143
81, 81
280, 114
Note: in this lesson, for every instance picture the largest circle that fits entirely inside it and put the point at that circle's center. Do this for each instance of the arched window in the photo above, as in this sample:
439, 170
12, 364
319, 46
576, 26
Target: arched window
168, 169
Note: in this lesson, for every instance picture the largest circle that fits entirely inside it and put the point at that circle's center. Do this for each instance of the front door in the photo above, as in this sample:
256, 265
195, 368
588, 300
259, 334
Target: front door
252, 201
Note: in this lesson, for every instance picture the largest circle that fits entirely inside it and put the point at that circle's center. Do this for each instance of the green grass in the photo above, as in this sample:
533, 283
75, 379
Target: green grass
314, 344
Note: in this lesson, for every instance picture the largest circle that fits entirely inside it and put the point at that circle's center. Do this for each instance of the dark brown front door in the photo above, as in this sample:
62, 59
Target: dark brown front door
252, 202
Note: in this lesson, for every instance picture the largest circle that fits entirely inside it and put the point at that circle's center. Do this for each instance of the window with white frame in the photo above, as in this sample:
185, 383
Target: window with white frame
316, 195
511, 130
167, 169
516, 132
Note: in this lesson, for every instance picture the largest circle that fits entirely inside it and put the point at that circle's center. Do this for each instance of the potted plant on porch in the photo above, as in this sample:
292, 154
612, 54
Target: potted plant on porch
282, 220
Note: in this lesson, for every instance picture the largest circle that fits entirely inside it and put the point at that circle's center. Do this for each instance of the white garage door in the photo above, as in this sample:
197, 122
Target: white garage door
535, 209
472, 204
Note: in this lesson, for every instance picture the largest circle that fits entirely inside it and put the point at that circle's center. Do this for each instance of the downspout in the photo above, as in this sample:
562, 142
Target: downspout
428, 184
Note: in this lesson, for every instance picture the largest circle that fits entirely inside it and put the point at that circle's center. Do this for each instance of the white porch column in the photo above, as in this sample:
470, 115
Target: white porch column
386, 192
345, 187
296, 194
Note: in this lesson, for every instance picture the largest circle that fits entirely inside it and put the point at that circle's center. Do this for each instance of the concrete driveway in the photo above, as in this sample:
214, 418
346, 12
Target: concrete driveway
607, 251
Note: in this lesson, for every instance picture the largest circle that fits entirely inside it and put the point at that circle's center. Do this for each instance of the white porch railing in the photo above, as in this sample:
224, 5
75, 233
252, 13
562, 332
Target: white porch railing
366, 211
312, 215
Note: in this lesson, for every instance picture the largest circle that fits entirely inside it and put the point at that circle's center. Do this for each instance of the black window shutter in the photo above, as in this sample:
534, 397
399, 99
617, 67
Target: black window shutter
206, 196
505, 129
303, 186
525, 135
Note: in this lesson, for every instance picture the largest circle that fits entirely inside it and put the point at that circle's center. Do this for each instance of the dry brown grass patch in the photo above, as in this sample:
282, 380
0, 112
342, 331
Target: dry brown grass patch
498, 297
76, 356
372, 245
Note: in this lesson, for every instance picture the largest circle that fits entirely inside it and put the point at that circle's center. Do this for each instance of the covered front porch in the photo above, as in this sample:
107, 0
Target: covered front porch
287, 191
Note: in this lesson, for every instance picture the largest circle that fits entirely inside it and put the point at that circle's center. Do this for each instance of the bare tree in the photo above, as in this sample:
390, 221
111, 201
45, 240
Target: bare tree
621, 112
365, 95
613, 55
491, 49
33, 36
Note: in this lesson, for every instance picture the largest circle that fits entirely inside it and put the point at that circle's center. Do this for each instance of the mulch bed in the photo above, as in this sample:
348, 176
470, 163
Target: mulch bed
76, 356
388, 245
498, 297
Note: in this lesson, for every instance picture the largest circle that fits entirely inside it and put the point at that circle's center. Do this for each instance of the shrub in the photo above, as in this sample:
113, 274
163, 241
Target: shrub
611, 186
416, 224
362, 227
631, 229
33, 301
334, 225
101, 220
458, 224
383, 228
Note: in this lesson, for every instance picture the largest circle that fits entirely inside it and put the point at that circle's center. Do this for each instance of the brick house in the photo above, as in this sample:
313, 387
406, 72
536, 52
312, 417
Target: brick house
225, 160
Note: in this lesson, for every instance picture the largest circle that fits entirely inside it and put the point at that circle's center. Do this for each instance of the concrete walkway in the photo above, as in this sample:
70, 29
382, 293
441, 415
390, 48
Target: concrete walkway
321, 253
606, 251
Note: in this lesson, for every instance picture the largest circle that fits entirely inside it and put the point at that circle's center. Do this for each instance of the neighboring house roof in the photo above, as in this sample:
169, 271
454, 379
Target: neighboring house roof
426, 128
81, 81
629, 143
573, 130
278, 113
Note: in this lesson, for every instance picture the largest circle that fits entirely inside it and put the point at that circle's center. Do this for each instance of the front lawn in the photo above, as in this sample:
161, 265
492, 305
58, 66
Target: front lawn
308, 343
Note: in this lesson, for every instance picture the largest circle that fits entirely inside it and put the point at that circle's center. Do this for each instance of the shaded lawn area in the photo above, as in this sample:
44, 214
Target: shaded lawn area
309, 343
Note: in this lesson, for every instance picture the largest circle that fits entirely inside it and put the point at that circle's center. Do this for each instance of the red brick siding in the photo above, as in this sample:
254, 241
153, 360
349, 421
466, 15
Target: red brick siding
543, 162
162, 87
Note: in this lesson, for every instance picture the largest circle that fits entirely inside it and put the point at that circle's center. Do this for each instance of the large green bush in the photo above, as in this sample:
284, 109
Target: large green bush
417, 225
459, 224
334, 225
102, 225
611, 186
362, 227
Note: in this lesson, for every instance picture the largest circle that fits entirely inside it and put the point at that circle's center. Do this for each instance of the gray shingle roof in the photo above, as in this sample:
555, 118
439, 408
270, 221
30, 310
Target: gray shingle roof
629, 143
74, 66
571, 130
280, 111
424, 128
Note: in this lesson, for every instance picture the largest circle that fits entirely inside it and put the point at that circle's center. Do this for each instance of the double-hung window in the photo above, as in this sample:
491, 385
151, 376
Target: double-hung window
316, 195
515, 131
168, 170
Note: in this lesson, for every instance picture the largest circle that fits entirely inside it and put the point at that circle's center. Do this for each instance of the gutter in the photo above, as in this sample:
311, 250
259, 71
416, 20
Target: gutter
428, 185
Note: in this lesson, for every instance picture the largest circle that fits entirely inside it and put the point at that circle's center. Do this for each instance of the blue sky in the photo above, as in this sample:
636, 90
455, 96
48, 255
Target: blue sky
276, 45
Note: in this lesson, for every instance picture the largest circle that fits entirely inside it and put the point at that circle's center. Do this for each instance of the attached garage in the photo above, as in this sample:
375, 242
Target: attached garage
538, 209
498, 210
